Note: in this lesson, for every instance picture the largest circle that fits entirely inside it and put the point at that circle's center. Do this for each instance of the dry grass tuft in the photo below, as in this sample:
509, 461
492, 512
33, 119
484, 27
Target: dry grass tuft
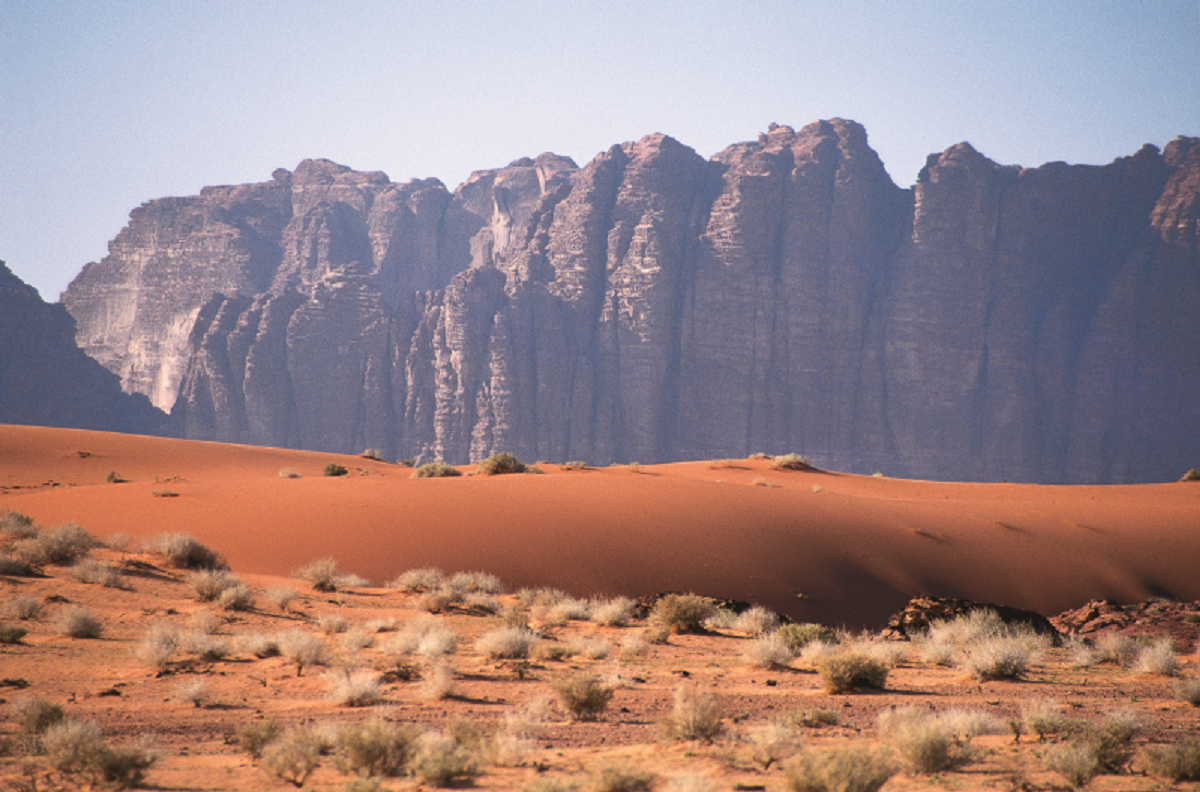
695, 716
584, 697
846, 671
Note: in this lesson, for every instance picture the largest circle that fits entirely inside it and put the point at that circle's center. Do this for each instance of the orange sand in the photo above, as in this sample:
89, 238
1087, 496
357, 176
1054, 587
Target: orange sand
819, 546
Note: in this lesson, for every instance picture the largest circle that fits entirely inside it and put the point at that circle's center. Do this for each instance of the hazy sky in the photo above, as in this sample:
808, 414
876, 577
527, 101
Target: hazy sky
105, 105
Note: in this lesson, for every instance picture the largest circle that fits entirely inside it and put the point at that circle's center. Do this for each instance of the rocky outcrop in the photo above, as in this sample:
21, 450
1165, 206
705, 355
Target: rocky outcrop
993, 322
921, 613
45, 380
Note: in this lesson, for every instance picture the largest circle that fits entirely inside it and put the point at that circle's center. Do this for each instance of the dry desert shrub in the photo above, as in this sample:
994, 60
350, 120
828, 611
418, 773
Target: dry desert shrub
417, 580
333, 469
1193, 474
209, 584
694, 716
253, 736
282, 597
1189, 690
772, 742
1003, 657
1158, 658
813, 717
357, 639
622, 778
590, 648
584, 697
288, 473
183, 551
856, 769
437, 682
10, 634
157, 645
1116, 648
756, 621
634, 646
682, 613
18, 525
62, 546
332, 623
77, 621
615, 612
798, 636
33, 717
194, 692
931, 742
1075, 761
440, 760
574, 464
1094, 749
303, 649
769, 652
204, 646
371, 453
89, 570
293, 756
376, 748
22, 607
427, 636
382, 624
16, 565
1043, 717
260, 645
237, 598
499, 464
846, 670
76, 748
1179, 761
790, 462
436, 470
475, 583
322, 574
354, 688
510, 643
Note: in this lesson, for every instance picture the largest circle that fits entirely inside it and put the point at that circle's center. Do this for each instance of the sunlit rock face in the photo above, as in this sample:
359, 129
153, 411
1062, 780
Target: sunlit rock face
993, 322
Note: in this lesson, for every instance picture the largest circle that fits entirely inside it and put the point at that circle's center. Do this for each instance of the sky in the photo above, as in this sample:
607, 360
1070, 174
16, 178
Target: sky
107, 104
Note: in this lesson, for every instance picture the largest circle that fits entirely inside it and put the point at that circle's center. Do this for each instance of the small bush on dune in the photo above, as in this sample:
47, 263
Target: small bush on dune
237, 598
772, 742
253, 736
439, 760
428, 636
376, 748
1178, 762
925, 741
89, 570
1189, 691
183, 551
288, 473
436, 470
790, 462
437, 682
415, 580
814, 717
683, 613
372, 453
34, 716
498, 464
65, 544
209, 584
294, 756
77, 621
756, 621
616, 778
18, 525
282, 597
506, 643
1158, 657
1193, 474
324, 576
10, 634
354, 688
1075, 761
797, 636
1043, 717
838, 770
16, 566
334, 469
23, 608
475, 583
846, 671
616, 612
769, 651
303, 649
694, 716
194, 692
259, 645
1001, 657
76, 748
1116, 648
584, 697
157, 646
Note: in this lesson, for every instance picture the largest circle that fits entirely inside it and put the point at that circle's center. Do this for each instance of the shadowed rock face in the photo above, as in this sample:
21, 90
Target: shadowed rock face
992, 323
45, 380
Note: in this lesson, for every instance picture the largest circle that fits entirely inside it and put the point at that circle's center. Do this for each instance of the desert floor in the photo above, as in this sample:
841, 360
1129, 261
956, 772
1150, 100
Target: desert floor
845, 551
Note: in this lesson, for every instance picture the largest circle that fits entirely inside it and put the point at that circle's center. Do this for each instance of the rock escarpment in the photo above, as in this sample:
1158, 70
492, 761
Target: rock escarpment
45, 380
991, 323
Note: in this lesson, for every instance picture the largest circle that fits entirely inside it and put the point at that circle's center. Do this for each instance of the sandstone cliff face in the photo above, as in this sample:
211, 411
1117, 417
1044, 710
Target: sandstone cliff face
992, 323
45, 380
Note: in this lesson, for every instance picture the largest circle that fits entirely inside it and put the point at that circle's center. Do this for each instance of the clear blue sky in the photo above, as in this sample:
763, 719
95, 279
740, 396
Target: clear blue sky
105, 105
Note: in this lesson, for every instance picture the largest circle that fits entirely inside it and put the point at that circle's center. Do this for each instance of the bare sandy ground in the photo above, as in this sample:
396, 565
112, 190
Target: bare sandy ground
815, 546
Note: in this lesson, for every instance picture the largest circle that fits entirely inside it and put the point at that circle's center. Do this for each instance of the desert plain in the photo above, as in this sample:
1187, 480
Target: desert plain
813, 547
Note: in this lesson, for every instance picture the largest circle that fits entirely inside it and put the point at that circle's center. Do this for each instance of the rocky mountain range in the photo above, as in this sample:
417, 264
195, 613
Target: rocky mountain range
991, 323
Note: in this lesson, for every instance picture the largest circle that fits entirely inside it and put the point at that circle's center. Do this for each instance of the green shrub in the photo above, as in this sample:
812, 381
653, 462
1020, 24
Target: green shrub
584, 696
334, 469
838, 770
683, 613
498, 464
436, 470
847, 671
1179, 761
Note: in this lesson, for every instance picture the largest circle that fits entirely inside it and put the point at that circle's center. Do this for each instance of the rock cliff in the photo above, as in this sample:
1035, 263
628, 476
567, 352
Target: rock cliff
45, 380
993, 322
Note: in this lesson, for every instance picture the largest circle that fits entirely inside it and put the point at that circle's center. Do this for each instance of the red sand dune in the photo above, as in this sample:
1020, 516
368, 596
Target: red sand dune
819, 546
